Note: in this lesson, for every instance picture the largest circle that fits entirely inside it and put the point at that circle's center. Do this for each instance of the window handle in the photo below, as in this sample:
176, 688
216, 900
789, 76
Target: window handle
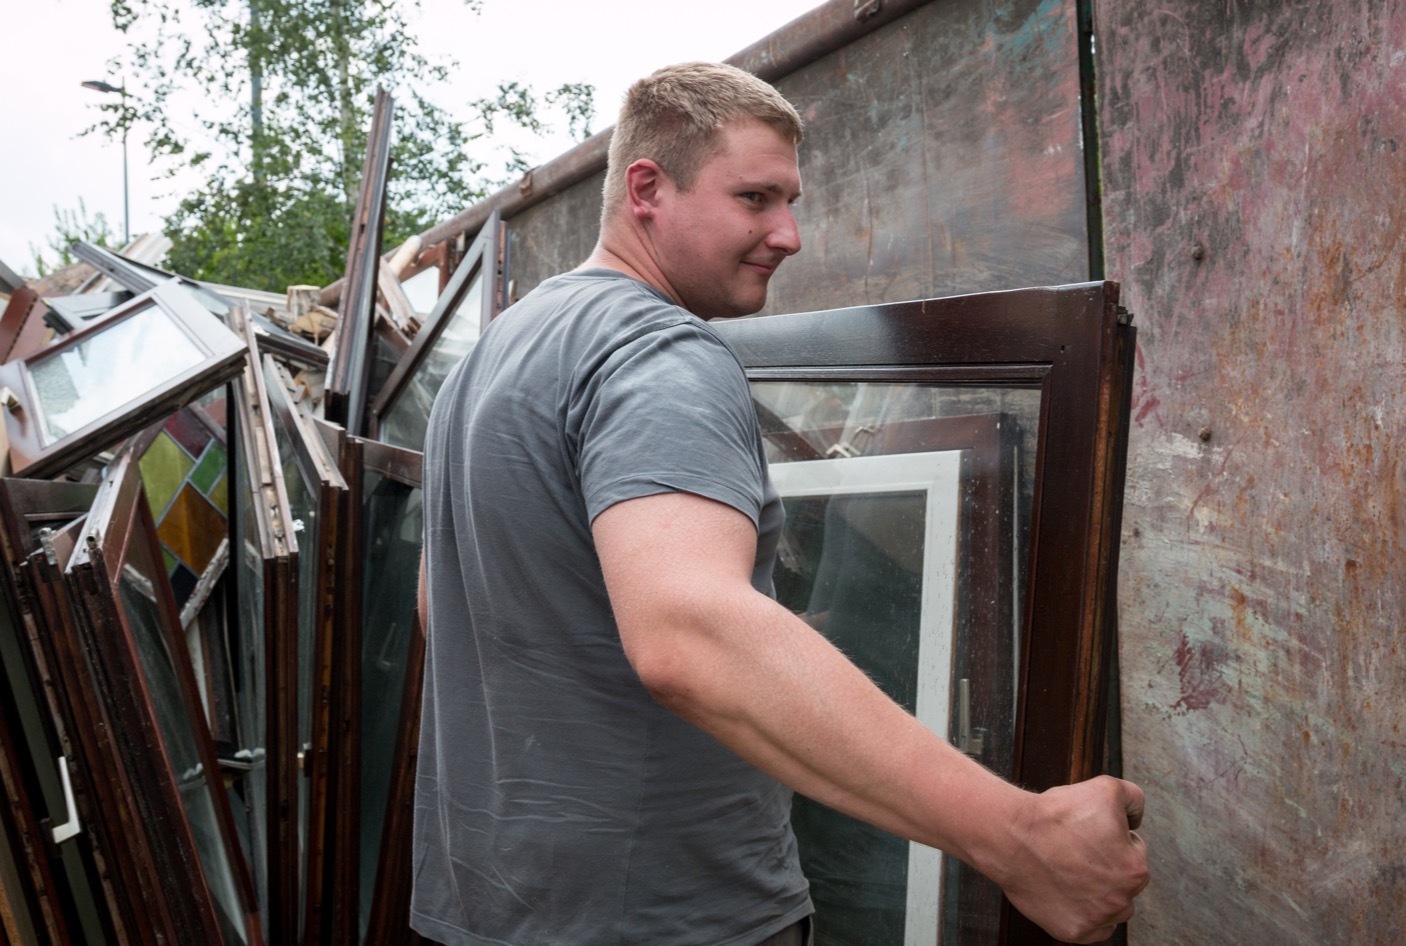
70, 828
969, 740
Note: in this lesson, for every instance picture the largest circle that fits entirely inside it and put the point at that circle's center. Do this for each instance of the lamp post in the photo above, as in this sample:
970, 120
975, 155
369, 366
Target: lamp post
97, 85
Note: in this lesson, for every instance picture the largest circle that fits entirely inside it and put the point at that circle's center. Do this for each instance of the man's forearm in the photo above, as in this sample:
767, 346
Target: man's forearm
772, 689
776, 692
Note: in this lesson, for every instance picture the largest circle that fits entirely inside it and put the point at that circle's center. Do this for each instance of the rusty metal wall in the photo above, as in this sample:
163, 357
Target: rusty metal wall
943, 155
1254, 194
553, 236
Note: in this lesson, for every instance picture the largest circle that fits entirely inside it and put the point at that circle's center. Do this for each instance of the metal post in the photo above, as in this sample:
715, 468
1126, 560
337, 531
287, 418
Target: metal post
126, 203
97, 85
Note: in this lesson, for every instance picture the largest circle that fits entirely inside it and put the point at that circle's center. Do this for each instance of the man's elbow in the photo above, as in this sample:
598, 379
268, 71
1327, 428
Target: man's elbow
667, 670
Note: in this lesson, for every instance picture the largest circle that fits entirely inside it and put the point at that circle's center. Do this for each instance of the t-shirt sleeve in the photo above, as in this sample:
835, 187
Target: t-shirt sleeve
670, 411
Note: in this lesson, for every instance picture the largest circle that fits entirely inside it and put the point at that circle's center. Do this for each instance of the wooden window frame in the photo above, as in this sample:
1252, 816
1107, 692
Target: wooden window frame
484, 256
275, 658
34, 813
34, 453
346, 395
1074, 344
388, 924
317, 468
119, 523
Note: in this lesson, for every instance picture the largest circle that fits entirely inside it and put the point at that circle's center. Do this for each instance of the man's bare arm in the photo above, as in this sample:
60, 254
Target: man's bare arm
764, 683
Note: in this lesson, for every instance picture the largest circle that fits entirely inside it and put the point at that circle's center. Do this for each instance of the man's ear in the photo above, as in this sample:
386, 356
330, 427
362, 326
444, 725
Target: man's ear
644, 183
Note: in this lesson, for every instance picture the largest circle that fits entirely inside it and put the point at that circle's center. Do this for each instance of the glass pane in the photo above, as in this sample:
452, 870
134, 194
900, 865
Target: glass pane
138, 589
248, 560
422, 290
404, 423
393, 531
384, 357
111, 368
207, 636
906, 505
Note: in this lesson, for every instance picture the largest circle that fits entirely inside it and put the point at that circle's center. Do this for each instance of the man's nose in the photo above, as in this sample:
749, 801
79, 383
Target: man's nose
785, 236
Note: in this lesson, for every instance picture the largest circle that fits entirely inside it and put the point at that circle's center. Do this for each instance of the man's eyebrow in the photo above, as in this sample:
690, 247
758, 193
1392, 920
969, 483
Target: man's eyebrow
772, 187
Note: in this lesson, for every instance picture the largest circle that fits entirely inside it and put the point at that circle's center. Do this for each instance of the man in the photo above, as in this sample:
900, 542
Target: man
613, 701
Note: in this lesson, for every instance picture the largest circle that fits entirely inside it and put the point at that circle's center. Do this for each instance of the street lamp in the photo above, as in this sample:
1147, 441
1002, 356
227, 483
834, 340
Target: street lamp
97, 85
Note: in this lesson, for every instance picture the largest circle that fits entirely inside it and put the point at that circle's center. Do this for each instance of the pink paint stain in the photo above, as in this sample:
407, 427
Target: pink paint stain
1144, 401
1199, 668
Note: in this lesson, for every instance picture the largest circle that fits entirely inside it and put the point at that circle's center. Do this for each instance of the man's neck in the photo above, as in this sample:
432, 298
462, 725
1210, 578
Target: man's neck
625, 252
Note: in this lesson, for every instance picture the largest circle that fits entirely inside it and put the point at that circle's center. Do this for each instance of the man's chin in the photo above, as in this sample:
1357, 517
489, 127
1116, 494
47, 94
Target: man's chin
738, 308
728, 306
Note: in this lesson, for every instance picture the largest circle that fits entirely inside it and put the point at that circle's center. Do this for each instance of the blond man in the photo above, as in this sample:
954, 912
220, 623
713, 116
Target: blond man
616, 710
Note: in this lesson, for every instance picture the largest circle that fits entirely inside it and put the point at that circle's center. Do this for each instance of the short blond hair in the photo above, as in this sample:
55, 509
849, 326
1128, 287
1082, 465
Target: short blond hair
673, 116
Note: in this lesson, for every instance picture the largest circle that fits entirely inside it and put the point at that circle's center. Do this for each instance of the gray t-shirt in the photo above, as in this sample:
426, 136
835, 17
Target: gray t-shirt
557, 804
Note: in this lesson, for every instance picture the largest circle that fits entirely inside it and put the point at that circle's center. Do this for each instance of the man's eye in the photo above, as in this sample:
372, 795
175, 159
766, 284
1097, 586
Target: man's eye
753, 196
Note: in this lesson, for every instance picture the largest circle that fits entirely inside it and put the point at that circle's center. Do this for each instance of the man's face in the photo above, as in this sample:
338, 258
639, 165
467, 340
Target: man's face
718, 242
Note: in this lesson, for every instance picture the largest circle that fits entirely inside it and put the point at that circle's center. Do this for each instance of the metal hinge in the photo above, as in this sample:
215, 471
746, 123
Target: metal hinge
46, 542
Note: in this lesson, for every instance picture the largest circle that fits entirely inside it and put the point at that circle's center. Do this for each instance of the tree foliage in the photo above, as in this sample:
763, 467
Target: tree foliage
281, 92
70, 227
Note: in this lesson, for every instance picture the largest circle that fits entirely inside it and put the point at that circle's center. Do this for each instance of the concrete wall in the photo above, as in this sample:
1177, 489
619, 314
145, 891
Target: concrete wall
1254, 192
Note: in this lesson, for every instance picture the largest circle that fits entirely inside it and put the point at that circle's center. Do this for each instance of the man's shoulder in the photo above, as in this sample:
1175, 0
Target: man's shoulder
569, 293
609, 307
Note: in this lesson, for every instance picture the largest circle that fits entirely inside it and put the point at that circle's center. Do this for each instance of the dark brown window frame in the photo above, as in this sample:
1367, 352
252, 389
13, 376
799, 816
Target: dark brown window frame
110, 832
484, 256
318, 470
1074, 343
119, 520
33, 815
388, 924
34, 453
346, 394
21, 324
152, 890
254, 448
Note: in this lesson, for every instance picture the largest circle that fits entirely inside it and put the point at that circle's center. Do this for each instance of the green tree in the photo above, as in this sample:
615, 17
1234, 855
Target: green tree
71, 226
284, 91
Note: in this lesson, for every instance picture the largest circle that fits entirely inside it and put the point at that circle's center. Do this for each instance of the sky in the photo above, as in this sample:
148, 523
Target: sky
54, 45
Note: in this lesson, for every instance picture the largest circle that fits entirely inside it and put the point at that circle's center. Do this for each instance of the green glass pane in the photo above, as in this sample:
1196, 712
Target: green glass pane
219, 495
170, 560
164, 468
210, 468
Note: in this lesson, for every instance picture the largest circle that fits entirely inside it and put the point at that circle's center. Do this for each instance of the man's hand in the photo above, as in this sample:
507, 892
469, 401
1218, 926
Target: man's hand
1083, 863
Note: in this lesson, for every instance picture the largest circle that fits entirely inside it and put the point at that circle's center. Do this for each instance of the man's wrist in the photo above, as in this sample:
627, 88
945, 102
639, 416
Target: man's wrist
998, 845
